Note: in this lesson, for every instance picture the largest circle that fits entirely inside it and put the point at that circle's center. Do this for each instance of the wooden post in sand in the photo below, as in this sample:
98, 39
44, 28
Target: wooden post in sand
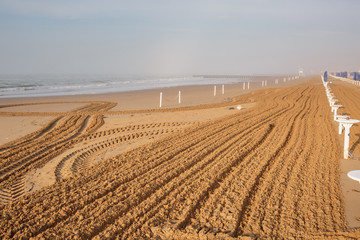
243, 86
262, 83
265, 83
160, 99
179, 97
214, 91
248, 85
223, 89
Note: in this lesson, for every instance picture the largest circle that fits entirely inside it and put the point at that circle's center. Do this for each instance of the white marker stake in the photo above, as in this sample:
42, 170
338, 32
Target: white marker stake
160, 99
341, 117
347, 125
346, 140
340, 128
332, 102
223, 89
179, 97
334, 109
262, 83
214, 91
243, 86
248, 85
265, 83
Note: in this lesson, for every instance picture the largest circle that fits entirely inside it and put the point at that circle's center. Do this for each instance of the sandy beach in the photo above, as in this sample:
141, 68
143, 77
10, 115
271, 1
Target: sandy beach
117, 165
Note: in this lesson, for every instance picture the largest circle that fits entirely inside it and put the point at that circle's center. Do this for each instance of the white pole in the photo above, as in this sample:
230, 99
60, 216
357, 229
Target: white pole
335, 113
223, 89
262, 83
346, 141
248, 85
340, 128
214, 91
160, 99
179, 97
265, 83
347, 125
243, 86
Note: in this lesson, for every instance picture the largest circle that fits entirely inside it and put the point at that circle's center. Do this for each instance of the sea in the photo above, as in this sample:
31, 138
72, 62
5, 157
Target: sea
12, 86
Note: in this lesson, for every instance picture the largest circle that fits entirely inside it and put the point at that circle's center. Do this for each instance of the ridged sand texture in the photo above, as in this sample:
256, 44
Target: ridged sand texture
270, 171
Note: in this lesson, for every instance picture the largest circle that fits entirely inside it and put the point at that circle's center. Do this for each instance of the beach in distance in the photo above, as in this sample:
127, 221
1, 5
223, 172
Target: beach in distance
133, 93
117, 165
32, 85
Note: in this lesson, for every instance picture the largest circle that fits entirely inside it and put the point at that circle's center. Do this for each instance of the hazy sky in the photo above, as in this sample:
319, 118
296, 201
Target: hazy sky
168, 37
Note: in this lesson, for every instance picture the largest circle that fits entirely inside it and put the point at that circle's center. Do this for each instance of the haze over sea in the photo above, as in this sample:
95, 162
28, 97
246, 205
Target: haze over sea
164, 43
58, 85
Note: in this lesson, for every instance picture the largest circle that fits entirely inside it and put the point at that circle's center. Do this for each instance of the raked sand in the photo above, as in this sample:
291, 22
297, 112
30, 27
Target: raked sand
117, 165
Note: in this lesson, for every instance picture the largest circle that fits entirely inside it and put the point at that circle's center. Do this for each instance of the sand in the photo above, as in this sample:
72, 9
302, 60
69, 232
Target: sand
112, 168
13, 128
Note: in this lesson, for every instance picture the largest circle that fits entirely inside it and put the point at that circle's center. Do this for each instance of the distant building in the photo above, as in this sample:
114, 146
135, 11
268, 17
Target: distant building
356, 75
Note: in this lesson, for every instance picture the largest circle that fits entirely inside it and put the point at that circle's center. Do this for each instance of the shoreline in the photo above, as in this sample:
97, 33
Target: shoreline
40, 86
191, 95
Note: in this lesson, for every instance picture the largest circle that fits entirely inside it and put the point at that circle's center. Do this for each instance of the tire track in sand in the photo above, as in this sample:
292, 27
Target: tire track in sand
208, 134
145, 184
34, 150
167, 193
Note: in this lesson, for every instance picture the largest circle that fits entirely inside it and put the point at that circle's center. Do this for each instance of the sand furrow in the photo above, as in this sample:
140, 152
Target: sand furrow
231, 201
266, 172
261, 219
167, 156
145, 182
43, 149
179, 186
191, 181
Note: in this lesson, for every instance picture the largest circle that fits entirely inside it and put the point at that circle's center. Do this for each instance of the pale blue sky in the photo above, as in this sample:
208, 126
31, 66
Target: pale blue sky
167, 37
